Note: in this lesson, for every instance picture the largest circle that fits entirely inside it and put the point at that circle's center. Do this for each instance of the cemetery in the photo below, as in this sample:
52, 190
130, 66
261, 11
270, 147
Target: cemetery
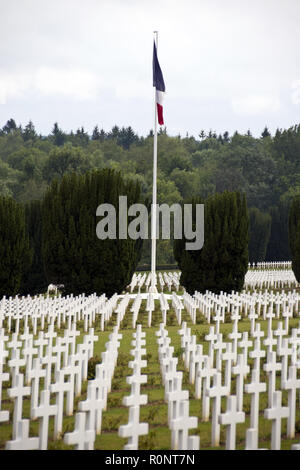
149, 278
143, 370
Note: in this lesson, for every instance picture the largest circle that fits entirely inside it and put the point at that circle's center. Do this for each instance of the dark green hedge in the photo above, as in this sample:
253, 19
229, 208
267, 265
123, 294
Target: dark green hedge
73, 255
222, 263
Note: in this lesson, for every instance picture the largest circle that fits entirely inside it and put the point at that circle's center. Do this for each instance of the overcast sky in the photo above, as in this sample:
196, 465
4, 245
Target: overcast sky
227, 64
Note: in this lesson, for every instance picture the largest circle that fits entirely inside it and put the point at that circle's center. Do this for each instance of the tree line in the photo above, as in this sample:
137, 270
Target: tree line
55, 240
266, 169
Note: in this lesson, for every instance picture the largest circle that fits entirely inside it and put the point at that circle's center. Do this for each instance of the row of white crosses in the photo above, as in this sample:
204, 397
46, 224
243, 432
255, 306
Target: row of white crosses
271, 265
162, 282
213, 361
177, 306
107, 310
135, 400
150, 307
170, 279
49, 350
255, 304
210, 386
164, 307
270, 279
74, 369
38, 312
190, 305
178, 400
26, 312
134, 281
88, 419
203, 368
135, 307
264, 274
120, 310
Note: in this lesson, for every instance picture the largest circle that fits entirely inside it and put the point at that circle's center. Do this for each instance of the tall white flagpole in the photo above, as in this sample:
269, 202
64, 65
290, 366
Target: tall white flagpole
153, 211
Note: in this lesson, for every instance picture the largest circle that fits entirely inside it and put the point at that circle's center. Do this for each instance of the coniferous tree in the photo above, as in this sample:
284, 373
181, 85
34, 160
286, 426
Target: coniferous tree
96, 133
294, 235
81, 137
15, 253
9, 127
222, 263
57, 135
126, 137
34, 280
260, 229
265, 133
278, 248
72, 253
29, 132
114, 133
226, 137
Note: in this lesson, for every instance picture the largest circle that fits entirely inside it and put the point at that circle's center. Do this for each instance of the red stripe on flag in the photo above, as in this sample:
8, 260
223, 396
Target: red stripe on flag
160, 114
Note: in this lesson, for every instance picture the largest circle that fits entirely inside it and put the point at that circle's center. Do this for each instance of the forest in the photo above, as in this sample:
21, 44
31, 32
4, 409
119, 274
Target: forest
266, 169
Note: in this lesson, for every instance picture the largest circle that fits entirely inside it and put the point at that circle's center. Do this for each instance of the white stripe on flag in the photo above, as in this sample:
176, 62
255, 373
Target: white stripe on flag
159, 97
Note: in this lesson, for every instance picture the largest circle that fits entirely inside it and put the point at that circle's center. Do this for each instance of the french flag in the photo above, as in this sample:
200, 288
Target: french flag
159, 84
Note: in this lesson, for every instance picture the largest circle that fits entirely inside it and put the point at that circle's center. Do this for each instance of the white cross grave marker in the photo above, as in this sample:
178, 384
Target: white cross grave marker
93, 406
36, 374
230, 419
4, 376
276, 414
271, 367
182, 424
252, 439
22, 440
15, 363
241, 369
82, 438
291, 384
133, 429
60, 387
255, 388
174, 398
43, 412
18, 391
216, 392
